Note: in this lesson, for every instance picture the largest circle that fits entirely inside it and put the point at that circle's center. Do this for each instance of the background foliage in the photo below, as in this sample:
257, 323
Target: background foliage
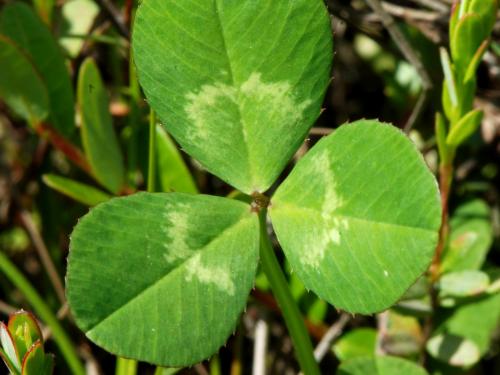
57, 147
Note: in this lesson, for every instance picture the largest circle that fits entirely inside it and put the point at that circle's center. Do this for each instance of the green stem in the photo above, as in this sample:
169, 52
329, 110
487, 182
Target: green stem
44, 312
215, 366
152, 152
125, 366
281, 291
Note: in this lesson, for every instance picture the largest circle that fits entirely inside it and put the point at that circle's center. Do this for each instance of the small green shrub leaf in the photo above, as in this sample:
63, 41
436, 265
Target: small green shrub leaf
385, 365
487, 10
98, 136
21, 87
237, 83
360, 342
82, 193
24, 330
169, 271
20, 23
464, 128
462, 284
470, 73
172, 171
469, 34
359, 230
470, 238
475, 321
453, 350
36, 362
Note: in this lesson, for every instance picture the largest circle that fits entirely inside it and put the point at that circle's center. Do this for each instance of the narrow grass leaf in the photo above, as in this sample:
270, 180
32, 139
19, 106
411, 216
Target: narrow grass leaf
19, 22
98, 136
21, 87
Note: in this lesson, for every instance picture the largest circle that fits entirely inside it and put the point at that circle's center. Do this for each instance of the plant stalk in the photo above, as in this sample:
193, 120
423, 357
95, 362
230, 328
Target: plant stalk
291, 313
125, 366
152, 152
44, 312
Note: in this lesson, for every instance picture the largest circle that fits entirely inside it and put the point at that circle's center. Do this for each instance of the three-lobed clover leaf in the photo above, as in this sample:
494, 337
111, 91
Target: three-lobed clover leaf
163, 277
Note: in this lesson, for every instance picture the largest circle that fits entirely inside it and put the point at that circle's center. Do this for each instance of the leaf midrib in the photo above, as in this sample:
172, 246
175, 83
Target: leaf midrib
250, 170
221, 235
295, 209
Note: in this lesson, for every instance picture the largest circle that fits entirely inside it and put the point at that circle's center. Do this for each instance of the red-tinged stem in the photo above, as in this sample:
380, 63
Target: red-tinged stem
72, 152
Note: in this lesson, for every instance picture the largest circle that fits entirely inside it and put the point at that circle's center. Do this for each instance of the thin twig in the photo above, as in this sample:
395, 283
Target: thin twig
115, 17
43, 253
401, 41
320, 131
417, 110
433, 4
382, 323
414, 14
408, 52
7, 309
333, 332
260, 348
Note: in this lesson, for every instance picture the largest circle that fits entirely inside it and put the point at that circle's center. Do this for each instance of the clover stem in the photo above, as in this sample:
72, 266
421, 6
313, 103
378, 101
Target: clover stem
293, 318
125, 366
43, 311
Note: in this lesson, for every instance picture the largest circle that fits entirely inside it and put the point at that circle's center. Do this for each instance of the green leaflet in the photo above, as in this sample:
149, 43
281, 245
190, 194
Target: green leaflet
82, 193
36, 362
24, 27
462, 284
21, 87
475, 321
454, 350
464, 128
360, 342
237, 83
380, 366
25, 331
98, 136
169, 271
172, 171
359, 230
470, 238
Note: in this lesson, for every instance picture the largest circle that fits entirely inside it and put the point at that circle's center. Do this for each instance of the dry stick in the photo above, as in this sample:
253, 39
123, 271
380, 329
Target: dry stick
43, 253
382, 323
7, 309
414, 14
433, 4
260, 348
407, 51
333, 332
115, 17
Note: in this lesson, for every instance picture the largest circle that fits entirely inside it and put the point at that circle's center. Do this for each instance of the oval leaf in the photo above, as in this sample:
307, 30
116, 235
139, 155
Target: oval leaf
470, 238
454, 350
170, 271
359, 230
461, 284
24, 330
464, 128
26, 29
238, 96
380, 366
360, 342
98, 136
82, 193
21, 87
